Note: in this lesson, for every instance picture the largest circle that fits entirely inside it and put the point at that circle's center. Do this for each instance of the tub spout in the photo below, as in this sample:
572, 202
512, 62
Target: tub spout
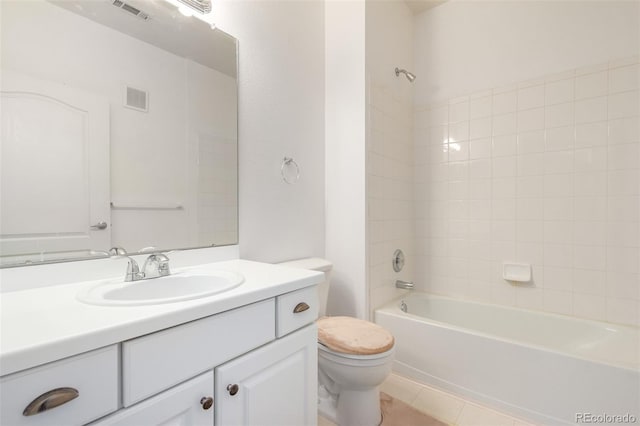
405, 285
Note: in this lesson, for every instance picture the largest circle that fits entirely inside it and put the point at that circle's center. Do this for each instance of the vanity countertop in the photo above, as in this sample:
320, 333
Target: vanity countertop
45, 324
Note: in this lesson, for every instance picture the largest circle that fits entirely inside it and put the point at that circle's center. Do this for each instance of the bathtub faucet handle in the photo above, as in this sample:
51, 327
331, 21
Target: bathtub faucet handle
405, 285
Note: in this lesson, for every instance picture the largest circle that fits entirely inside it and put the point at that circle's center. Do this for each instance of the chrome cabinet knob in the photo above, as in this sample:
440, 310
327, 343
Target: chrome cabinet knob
233, 389
207, 402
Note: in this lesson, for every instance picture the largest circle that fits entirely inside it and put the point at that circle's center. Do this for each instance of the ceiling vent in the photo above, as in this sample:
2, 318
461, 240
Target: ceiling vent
132, 10
136, 99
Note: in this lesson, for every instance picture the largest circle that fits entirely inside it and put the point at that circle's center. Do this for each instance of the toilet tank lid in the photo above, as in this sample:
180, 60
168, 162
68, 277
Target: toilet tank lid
312, 263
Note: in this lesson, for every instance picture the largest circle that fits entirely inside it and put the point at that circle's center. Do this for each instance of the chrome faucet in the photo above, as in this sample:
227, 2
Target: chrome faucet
156, 265
405, 285
133, 270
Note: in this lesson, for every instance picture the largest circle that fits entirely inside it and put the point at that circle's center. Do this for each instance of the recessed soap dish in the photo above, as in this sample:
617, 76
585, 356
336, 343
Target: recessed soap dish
517, 272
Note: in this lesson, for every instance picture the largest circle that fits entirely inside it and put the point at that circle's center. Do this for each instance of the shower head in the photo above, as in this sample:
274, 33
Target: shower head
407, 74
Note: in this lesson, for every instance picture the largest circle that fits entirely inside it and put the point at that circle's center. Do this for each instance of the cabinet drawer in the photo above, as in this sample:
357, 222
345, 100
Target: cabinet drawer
296, 309
153, 363
94, 375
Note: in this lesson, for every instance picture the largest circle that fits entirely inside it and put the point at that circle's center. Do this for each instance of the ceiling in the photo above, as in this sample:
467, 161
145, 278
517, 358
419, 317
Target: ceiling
418, 6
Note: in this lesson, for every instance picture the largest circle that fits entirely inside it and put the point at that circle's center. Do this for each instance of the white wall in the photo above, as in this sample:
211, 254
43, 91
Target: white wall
389, 147
345, 156
463, 46
281, 113
527, 150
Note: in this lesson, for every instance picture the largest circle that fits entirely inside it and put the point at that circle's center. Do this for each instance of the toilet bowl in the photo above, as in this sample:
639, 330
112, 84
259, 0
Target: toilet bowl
354, 358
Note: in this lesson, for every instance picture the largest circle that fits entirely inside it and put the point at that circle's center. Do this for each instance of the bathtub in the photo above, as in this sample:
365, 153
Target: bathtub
547, 368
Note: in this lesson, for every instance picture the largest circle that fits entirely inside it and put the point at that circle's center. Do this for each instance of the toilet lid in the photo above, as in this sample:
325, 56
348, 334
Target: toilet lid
353, 336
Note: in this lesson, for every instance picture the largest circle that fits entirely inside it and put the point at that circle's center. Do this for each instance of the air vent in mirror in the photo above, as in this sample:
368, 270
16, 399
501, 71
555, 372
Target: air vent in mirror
136, 99
132, 10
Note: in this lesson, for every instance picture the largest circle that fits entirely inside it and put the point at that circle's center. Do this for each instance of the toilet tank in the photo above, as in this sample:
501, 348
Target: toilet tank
315, 264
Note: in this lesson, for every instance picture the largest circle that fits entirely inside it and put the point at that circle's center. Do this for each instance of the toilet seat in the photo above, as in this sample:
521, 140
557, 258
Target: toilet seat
353, 338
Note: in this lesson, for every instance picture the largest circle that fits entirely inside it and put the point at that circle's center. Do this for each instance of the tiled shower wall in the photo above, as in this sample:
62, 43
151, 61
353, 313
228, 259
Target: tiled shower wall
390, 202
542, 172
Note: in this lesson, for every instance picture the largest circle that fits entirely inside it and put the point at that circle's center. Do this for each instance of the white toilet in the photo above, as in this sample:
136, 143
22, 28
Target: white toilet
354, 357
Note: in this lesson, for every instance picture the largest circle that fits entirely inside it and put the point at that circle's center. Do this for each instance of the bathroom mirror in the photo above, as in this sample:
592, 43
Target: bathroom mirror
119, 128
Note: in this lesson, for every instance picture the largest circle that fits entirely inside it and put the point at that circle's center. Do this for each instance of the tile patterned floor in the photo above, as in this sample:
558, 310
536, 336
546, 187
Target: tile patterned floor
440, 407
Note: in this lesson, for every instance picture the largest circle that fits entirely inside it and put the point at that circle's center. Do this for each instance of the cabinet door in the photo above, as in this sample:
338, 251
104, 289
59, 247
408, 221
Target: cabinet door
273, 385
185, 404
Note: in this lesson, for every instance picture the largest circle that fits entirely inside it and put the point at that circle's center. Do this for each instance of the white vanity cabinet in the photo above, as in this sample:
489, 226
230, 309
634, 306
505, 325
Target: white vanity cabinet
233, 366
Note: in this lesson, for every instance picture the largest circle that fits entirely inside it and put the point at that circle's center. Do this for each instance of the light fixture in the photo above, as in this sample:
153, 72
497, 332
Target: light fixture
200, 9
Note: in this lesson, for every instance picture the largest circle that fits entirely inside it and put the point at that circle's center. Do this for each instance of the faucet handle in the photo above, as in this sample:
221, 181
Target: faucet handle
156, 265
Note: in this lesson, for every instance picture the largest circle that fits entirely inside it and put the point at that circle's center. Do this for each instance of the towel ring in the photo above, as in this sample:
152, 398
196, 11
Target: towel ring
287, 161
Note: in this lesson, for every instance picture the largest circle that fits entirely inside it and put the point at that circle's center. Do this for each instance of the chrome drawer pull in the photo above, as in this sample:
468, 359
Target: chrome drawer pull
49, 400
300, 307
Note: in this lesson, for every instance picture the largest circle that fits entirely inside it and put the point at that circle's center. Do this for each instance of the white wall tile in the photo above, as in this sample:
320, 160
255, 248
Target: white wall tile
459, 111
505, 145
589, 233
459, 132
590, 208
504, 166
623, 182
531, 97
559, 185
480, 148
623, 311
558, 209
529, 186
529, 142
480, 189
624, 104
559, 91
622, 234
480, 169
559, 115
589, 306
480, 107
591, 85
504, 102
560, 138
624, 130
623, 209
480, 128
532, 119
530, 209
504, 124
558, 162
504, 188
530, 231
624, 156
530, 164
591, 159
624, 79
589, 257
591, 110
558, 301
459, 151
591, 134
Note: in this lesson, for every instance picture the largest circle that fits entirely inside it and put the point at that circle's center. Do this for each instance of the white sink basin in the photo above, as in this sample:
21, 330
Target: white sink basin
173, 288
